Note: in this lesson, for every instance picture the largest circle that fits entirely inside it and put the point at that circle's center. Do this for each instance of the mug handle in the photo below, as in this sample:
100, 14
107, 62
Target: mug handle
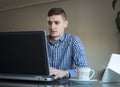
93, 73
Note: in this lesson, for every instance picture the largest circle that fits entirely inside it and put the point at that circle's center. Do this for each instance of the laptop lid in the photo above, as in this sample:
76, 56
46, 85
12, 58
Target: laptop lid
23, 55
112, 72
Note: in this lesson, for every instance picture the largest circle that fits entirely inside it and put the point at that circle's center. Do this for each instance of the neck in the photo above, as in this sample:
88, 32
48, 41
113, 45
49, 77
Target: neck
55, 39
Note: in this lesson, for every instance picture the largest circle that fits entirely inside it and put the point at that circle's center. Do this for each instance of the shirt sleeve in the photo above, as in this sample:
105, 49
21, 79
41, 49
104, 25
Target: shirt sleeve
73, 73
79, 55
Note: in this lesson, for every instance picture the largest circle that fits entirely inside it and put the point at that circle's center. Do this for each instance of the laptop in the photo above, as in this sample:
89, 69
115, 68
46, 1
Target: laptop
112, 72
23, 56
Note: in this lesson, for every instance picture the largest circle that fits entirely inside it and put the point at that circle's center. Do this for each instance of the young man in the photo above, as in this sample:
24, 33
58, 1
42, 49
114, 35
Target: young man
65, 51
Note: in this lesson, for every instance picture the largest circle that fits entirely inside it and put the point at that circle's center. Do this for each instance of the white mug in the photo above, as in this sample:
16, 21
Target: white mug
85, 73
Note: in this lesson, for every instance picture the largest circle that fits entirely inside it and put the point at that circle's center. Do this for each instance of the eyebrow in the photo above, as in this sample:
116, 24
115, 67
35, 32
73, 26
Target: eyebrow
54, 21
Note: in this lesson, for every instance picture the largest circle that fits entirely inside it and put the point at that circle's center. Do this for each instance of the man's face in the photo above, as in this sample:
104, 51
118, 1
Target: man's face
56, 26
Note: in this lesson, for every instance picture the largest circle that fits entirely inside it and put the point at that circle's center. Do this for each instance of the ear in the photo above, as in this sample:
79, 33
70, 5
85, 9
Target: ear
66, 23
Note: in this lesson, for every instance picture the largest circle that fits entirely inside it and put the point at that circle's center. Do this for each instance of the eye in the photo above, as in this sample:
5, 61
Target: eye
49, 23
57, 22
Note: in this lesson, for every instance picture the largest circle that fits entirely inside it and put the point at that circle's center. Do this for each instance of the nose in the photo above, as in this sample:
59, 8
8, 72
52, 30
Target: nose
52, 25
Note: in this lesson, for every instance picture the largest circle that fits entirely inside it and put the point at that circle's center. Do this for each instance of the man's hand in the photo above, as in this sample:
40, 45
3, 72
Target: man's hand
57, 73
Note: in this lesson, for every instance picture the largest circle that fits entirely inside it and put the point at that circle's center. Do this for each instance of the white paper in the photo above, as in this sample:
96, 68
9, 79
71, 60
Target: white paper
114, 63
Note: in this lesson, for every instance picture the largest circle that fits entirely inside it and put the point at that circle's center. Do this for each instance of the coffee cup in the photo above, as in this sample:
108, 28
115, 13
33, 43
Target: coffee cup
85, 73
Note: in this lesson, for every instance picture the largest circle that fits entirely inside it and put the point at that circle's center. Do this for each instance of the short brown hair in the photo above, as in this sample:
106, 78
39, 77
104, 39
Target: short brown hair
57, 11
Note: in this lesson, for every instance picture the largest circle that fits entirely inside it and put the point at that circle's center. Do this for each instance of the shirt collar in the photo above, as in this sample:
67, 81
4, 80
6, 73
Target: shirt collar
61, 39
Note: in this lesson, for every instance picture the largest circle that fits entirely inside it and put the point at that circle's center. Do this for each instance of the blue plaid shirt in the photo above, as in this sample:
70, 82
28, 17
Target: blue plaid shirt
67, 53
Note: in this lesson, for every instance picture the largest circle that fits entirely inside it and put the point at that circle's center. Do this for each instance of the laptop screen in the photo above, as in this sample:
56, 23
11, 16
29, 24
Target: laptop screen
24, 53
112, 71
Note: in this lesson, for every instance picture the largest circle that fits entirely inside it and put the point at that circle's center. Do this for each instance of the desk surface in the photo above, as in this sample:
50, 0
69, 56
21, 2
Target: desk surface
39, 84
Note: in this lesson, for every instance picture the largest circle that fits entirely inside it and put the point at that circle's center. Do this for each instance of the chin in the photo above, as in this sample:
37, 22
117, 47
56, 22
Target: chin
53, 36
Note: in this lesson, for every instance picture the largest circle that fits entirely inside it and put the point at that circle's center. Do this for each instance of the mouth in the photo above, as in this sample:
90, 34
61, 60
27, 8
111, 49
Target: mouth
53, 31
